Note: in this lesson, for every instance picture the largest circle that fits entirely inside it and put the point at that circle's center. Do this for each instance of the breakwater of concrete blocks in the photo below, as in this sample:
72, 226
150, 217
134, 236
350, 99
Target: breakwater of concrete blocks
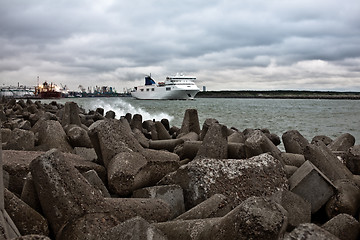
71, 174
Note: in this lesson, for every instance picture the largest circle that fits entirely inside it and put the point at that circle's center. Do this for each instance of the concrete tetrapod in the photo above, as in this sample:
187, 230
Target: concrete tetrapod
237, 179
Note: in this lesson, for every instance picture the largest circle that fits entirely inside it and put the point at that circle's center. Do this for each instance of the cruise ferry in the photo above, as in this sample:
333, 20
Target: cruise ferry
174, 87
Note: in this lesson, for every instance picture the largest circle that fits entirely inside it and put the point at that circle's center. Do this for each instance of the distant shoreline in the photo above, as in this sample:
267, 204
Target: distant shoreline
281, 94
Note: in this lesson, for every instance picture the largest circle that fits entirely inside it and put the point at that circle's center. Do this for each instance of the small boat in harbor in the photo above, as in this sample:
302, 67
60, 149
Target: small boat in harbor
46, 91
174, 87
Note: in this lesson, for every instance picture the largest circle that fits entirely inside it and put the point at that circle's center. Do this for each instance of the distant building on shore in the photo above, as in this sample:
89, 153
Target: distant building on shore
204, 88
19, 91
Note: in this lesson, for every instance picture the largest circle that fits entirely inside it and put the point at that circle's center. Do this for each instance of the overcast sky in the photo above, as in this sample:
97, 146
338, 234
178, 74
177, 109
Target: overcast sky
227, 45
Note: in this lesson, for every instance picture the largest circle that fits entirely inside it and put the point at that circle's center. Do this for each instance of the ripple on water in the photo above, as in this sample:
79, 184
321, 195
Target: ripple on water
310, 117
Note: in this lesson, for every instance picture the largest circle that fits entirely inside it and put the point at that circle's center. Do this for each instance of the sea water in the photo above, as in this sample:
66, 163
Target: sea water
310, 117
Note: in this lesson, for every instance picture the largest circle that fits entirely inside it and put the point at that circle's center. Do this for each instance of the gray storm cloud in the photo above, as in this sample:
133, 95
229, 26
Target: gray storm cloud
226, 44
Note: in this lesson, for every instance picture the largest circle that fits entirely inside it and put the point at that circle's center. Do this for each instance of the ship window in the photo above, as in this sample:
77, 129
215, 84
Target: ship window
168, 89
153, 89
147, 89
142, 90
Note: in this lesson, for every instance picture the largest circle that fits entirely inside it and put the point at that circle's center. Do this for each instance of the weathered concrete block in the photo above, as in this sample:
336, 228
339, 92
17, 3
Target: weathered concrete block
299, 210
254, 218
188, 149
20, 139
100, 111
32, 108
294, 142
191, 136
247, 132
136, 122
12, 122
325, 139
275, 139
32, 237
71, 114
161, 131
151, 209
82, 165
172, 194
88, 154
63, 192
206, 125
86, 120
342, 143
128, 117
353, 159
78, 136
5, 134
34, 119
345, 200
190, 122
166, 123
52, 135
257, 143
148, 125
215, 143
139, 135
93, 178
26, 219
11, 103
18, 110
159, 163
29, 195
22, 103
89, 226
309, 183
110, 137
7, 226
215, 206
236, 179
133, 229
2, 116
341, 156
290, 170
25, 125
129, 171
6, 178
237, 137
169, 144
110, 114
293, 159
16, 163
174, 130
310, 231
187, 229
322, 157
343, 226
236, 150
97, 115
123, 173
10, 113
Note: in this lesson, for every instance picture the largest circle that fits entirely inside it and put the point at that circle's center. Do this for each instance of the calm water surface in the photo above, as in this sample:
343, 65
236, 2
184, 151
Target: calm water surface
310, 117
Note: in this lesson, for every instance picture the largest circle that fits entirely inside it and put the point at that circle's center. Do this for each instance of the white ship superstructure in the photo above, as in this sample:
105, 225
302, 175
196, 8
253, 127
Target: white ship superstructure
174, 87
